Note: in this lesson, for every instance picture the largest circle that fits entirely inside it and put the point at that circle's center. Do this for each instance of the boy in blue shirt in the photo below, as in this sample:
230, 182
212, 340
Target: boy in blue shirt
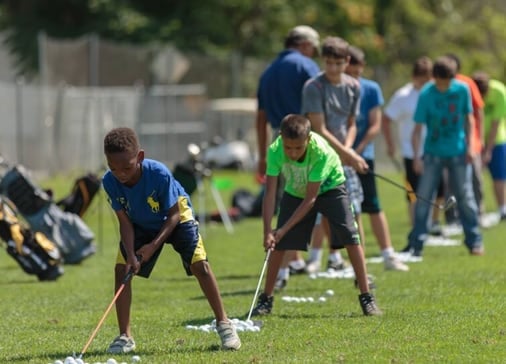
444, 107
153, 210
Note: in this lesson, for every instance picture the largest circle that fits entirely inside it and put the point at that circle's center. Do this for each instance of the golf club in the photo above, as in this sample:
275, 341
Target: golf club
267, 255
128, 276
449, 203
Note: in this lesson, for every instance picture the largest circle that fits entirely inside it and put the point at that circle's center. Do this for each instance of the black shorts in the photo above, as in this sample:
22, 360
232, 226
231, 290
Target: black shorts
371, 204
335, 205
185, 239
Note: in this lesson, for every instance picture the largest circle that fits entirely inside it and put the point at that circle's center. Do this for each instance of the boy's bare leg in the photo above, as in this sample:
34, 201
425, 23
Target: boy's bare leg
124, 301
272, 270
207, 281
356, 255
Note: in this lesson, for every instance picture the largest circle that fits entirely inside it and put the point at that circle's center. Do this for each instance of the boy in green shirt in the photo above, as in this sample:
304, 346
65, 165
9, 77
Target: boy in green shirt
314, 182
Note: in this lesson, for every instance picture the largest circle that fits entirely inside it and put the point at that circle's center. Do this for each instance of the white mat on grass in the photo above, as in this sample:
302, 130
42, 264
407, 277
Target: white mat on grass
403, 257
345, 273
490, 219
441, 241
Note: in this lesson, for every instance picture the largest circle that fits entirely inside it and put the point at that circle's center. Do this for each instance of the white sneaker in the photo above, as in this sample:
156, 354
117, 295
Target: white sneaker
229, 338
393, 263
121, 345
313, 266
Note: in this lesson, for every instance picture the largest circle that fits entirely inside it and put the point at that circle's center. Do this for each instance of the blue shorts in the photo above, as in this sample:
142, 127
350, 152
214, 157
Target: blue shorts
335, 205
185, 239
497, 165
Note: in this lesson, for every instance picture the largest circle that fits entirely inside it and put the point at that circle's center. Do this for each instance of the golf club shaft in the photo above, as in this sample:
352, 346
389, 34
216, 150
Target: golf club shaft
407, 190
267, 255
118, 292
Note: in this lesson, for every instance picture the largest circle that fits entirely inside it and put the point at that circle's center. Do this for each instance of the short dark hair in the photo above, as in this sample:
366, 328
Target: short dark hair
455, 59
121, 140
357, 55
335, 47
422, 67
481, 79
294, 126
444, 67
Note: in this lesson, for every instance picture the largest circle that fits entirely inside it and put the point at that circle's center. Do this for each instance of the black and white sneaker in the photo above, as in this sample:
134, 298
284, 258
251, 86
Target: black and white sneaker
264, 305
368, 304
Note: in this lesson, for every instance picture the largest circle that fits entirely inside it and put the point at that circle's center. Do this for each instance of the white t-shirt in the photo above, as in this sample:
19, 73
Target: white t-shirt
400, 109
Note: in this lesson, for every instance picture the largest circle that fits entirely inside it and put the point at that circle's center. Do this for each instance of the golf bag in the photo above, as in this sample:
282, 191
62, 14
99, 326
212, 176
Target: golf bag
34, 252
72, 236
79, 199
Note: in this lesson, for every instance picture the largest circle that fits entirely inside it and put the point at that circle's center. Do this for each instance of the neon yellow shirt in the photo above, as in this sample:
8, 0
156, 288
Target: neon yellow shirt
321, 164
495, 109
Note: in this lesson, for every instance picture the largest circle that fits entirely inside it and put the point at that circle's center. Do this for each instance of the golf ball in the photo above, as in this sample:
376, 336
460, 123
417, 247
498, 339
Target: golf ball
329, 292
322, 299
111, 361
136, 359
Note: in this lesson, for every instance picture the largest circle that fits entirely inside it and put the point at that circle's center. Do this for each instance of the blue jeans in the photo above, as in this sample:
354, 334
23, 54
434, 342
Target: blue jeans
460, 183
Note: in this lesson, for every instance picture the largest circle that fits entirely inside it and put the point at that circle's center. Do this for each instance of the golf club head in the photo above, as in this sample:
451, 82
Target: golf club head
450, 203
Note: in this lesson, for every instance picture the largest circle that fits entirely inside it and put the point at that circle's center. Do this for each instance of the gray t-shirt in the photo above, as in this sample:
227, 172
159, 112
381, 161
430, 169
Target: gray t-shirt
337, 102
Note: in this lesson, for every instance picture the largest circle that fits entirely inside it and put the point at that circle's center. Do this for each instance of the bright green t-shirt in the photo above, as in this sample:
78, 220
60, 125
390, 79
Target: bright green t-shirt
495, 109
321, 164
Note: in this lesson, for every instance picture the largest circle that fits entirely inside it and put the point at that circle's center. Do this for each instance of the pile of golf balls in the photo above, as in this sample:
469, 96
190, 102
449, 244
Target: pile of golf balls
323, 298
240, 325
343, 273
71, 360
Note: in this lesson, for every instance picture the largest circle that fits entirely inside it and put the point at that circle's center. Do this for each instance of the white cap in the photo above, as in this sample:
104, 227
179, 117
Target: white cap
307, 33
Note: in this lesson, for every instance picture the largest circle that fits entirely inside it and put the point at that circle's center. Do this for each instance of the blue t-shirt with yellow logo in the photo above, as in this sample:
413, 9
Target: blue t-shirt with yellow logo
148, 202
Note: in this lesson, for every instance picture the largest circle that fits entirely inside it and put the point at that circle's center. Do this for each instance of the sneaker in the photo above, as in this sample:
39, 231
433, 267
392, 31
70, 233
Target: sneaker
477, 250
436, 229
313, 266
370, 282
229, 338
121, 345
393, 263
280, 284
336, 265
264, 305
297, 267
368, 304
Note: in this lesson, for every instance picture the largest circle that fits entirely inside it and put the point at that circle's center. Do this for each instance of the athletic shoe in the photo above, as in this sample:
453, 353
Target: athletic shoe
297, 267
478, 250
280, 283
393, 263
313, 266
336, 265
368, 304
436, 229
121, 345
229, 338
264, 305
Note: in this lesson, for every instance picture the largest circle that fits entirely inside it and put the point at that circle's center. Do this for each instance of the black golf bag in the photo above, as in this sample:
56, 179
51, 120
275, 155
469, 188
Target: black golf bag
72, 236
79, 199
34, 252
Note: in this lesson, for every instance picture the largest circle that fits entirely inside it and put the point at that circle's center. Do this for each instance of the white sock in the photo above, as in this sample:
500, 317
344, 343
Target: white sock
387, 253
336, 257
315, 255
298, 264
283, 273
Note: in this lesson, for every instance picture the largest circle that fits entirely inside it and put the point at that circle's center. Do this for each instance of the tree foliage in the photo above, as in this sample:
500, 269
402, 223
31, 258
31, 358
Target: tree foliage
392, 32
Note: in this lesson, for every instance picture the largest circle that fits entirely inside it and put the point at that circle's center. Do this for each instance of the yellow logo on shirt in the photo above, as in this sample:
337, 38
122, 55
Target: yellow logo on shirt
155, 205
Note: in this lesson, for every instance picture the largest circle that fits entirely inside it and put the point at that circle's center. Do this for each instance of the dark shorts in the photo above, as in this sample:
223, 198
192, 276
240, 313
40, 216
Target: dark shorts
371, 204
185, 239
335, 205
412, 180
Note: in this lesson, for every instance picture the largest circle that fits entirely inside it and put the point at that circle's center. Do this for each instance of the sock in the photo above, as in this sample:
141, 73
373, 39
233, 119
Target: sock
283, 273
387, 253
315, 255
335, 257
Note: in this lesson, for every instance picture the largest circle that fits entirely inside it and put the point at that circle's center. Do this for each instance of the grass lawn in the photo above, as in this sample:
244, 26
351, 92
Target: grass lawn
448, 308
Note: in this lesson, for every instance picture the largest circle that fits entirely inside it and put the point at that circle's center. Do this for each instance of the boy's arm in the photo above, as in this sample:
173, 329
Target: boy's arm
268, 207
415, 143
469, 139
373, 129
348, 155
126, 231
173, 218
301, 211
387, 134
351, 131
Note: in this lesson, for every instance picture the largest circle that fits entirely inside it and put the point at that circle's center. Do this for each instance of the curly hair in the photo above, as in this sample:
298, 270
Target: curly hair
121, 140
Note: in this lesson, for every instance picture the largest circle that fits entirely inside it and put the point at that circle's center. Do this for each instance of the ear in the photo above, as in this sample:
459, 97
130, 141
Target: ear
140, 156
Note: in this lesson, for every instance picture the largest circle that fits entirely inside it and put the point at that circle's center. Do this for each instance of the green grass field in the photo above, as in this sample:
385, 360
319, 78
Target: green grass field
447, 309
